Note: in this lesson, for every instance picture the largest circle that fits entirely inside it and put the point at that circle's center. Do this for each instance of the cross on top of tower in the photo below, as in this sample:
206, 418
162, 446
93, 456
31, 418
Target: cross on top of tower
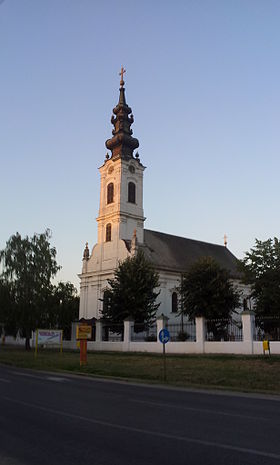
122, 144
121, 74
225, 240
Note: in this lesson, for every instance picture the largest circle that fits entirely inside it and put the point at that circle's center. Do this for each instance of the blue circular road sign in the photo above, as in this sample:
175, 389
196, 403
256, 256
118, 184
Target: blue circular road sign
164, 336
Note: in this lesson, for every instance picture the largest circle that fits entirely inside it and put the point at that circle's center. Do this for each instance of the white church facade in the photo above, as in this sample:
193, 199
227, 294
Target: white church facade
121, 228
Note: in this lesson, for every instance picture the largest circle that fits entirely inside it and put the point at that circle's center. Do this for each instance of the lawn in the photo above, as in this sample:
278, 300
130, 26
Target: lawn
231, 372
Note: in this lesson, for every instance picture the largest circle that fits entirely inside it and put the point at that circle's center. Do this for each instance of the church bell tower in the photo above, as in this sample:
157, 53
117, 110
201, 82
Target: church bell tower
121, 188
121, 217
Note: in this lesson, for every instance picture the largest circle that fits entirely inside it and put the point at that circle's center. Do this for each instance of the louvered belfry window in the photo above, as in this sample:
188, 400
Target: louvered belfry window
108, 232
110, 193
131, 192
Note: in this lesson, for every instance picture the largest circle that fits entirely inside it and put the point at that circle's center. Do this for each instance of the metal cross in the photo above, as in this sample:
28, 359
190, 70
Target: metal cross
121, 74
225, 240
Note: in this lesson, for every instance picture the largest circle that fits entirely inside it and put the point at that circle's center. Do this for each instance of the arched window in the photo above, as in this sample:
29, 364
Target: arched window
174, 302
131, 192
110, 193
108, 232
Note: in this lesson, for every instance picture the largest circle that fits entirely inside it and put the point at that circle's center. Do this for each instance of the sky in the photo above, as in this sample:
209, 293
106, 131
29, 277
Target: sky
203, 83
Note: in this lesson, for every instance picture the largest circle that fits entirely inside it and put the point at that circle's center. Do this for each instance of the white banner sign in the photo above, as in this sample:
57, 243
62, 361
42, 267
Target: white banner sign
49, 336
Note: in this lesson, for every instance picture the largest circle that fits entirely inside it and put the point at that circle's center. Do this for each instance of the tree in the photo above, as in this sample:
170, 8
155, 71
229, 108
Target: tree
206, 290
7, 306
63, 309
28, 265
261, 269
132, 292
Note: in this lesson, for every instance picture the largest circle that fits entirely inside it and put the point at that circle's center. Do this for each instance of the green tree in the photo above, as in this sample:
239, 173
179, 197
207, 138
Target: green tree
7, 306
28, 265
63, 308
261, 269
206, 290
132, 292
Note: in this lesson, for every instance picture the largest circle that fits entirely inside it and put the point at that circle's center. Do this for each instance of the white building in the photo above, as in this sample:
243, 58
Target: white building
121, 227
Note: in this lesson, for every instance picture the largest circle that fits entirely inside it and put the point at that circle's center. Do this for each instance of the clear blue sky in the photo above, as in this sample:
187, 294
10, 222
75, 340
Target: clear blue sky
203, 82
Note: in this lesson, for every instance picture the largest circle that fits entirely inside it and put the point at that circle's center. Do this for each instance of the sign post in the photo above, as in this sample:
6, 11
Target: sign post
164, 337
83, 334
83, 352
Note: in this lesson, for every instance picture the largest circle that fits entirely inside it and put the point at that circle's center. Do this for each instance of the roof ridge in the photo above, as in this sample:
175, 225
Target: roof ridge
185, 238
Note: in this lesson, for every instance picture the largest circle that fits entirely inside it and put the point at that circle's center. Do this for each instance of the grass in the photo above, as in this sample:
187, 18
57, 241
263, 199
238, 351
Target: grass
230, 372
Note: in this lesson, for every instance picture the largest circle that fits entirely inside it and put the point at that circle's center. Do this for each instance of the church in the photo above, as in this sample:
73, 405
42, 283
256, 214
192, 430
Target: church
121, 227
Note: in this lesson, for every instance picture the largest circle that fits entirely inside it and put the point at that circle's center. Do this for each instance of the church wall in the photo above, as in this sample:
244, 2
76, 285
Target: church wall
83, 300
93, 286
168, 284
90, 305
96, 272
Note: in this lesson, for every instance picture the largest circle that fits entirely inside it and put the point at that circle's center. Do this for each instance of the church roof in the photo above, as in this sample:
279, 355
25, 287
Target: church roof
177, 254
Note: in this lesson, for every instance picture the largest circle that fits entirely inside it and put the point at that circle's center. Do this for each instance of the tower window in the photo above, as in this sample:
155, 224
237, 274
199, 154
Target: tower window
108, 232
110, 193
131, 192
174, 302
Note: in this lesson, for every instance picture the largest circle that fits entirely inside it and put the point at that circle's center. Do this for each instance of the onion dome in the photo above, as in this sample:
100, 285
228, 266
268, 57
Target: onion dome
122, 143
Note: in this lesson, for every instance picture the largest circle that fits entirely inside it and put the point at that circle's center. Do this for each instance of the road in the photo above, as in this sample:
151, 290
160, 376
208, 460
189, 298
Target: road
53, 419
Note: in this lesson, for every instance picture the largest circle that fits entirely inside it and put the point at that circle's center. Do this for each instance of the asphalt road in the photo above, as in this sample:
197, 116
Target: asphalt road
52, 419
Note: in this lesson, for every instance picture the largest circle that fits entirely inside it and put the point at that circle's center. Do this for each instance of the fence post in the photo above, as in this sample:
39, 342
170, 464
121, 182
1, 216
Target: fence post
200, 333
161, 323
98, 331
248, 324
128, 323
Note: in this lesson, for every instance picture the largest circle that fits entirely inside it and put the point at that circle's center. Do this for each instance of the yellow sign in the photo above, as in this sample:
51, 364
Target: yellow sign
83, 332
266, 345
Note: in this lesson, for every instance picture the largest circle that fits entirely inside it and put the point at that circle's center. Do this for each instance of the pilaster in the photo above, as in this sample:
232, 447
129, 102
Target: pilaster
162, 321
248, 324
200, 333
